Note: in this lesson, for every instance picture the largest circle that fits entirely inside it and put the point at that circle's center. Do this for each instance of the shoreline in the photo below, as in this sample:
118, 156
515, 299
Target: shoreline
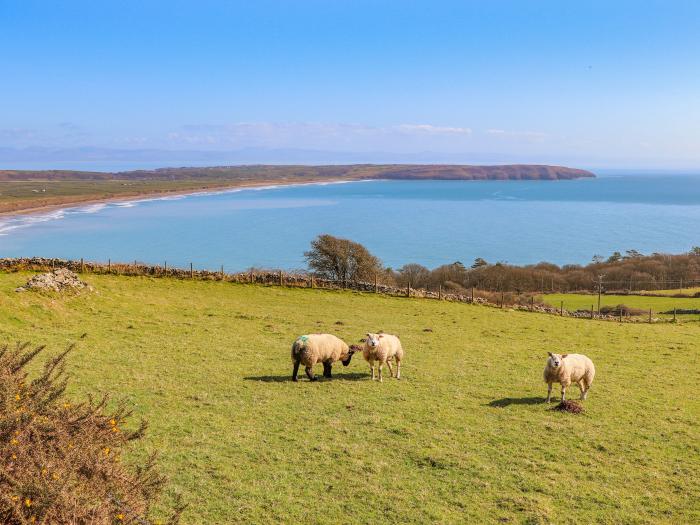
137, 197
273, 183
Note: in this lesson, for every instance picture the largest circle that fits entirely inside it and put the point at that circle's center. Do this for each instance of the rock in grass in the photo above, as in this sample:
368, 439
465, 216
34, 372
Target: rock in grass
569, 406
58, 280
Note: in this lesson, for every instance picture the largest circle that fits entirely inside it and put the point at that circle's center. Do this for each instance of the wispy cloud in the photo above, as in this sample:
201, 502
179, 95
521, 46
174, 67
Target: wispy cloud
526, 135
17, 134
309, 134
429, 129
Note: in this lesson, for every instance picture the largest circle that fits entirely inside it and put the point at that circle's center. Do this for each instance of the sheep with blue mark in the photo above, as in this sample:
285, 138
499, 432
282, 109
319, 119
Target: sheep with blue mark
319, 348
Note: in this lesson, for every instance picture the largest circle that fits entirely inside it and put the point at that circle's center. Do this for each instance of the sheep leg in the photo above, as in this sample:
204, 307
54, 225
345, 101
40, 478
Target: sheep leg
295, 371
391, 370
380, 366
398, 369
549, 392
584, 389
563, 391
371, 368
310, 373
327, 370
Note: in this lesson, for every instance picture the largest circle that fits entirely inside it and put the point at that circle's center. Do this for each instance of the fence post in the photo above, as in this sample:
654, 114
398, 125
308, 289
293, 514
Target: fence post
472, 300
649, 315
191, 271
408, 289
591, 311
312, 281
439, 292
376, 284
165, 268
620, 314
561, 309
674, 315
109, 265
222, 272
82, 265
251, 276
281, 279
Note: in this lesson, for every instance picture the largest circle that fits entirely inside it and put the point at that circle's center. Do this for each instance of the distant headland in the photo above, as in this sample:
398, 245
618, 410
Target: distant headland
23, 191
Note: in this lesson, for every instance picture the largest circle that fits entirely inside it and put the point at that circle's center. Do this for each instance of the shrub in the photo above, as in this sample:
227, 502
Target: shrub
626, 310
61, 462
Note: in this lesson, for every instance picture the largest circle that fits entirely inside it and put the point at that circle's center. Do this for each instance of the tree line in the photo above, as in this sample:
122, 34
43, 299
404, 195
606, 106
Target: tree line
346, 260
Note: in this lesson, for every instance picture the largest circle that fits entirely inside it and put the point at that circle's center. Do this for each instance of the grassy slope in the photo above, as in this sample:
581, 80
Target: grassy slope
464, 437
657, 304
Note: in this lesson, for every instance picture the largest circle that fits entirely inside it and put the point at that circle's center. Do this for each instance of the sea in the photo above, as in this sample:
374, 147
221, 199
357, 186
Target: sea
427, 222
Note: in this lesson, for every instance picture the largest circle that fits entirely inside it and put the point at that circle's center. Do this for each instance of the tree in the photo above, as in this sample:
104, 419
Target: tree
597, 259
615, 257
695, 250
479, 263
341, 259
416, 275
633, 254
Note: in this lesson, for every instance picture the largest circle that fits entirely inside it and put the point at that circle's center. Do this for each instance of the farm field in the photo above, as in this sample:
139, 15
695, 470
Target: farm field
463, 437
690, 292
573, 301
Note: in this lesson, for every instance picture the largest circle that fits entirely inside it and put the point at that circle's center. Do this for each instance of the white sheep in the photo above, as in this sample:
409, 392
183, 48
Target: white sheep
382, 348
566, 369
319, 348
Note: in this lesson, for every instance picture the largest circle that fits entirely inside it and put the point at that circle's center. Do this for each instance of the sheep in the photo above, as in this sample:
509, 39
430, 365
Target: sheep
382, 348
566, 369
319, 348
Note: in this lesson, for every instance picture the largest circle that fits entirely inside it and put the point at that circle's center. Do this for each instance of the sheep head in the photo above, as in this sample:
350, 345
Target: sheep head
555, 359
373, 340
351, 351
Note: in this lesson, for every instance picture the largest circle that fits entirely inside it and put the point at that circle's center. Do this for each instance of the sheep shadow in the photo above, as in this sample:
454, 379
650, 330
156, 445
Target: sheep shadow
507, 401
352, 376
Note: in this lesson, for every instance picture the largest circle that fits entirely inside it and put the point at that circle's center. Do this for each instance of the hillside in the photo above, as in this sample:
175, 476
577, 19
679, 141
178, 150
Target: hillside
31, 190
354, 171
464, 437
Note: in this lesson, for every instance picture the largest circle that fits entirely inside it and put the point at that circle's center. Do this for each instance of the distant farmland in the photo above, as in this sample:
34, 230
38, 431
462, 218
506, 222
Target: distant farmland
22, 190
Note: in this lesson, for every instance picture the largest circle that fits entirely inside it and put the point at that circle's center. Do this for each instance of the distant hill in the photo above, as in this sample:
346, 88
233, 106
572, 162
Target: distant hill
34, 190
302, 173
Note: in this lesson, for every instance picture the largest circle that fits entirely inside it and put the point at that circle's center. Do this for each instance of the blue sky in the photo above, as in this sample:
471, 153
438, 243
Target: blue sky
587, 83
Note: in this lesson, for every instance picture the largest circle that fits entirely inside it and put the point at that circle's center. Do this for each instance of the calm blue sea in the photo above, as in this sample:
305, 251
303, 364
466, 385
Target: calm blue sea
429, 222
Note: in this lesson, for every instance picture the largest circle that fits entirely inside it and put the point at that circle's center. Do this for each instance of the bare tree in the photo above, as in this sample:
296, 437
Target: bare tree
341, 259
416, 275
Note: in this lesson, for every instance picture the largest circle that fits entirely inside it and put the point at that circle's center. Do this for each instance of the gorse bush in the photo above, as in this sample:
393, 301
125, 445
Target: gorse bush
60, 462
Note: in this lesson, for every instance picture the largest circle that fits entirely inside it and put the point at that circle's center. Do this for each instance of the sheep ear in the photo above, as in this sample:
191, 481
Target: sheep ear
550, 354
563, 355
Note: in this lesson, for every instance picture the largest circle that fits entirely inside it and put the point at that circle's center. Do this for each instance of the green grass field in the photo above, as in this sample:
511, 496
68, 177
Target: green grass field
573, 301
690, 292
464, 437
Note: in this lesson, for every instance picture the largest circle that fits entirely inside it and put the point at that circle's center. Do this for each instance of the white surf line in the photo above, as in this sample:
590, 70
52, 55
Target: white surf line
14, 222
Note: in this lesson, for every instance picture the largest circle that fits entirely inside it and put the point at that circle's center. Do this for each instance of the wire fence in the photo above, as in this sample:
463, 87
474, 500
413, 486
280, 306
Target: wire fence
502, 300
